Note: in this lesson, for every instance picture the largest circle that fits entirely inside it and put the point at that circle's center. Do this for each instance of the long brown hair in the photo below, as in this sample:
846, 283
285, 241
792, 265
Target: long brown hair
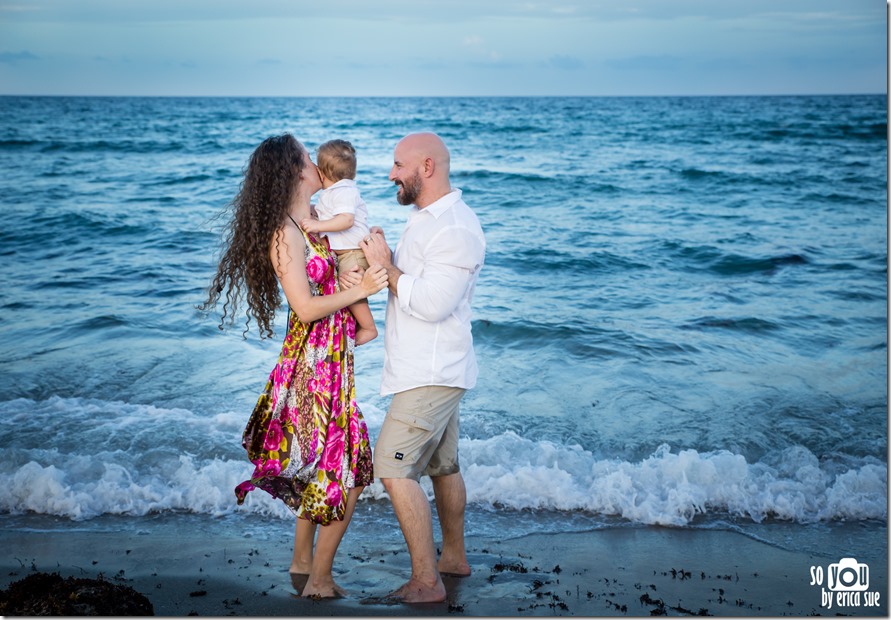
245, 272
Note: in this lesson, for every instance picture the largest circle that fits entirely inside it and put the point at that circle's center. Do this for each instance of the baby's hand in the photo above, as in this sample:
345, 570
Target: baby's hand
309, 225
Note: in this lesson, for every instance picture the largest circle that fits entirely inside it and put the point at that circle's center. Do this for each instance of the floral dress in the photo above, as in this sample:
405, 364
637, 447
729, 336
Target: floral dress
306, 436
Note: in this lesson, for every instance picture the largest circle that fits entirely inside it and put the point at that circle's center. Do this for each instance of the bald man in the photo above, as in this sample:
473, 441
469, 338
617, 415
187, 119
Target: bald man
429, 361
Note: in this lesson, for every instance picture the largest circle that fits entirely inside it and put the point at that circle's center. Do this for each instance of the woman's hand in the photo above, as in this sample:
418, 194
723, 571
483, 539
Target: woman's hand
374, 280
352, 277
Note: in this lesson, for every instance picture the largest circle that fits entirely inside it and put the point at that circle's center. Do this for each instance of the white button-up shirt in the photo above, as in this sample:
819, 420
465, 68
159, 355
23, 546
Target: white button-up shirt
428, 339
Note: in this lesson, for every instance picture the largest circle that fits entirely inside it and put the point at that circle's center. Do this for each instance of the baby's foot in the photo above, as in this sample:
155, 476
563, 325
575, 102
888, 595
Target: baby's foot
365, 334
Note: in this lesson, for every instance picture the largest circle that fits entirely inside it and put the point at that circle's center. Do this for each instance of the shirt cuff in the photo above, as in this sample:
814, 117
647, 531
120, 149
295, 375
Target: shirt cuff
404, 286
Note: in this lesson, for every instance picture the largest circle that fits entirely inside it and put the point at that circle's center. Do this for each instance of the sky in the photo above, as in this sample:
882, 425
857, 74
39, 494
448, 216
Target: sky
442, 47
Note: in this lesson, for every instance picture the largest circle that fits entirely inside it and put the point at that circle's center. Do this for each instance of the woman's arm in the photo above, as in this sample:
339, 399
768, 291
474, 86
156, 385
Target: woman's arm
290, 266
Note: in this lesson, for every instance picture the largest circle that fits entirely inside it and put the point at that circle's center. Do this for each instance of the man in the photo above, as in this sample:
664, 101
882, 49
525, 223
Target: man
428, 359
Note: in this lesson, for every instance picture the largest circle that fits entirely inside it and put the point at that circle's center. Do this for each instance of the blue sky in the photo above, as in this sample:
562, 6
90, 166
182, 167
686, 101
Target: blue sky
442, 47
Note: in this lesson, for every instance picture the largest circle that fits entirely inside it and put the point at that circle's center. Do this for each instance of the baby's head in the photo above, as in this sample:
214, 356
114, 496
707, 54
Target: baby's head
336, 160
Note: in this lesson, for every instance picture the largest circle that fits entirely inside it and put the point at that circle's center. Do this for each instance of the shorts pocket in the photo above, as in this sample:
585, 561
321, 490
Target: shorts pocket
412, 420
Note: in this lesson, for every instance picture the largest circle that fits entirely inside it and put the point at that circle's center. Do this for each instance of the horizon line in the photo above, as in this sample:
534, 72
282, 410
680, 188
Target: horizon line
107, 96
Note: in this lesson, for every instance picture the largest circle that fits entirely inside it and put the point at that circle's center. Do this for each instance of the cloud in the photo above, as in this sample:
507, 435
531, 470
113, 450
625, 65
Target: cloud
566, 63
477, 45
646, 63
510, 46
14, 57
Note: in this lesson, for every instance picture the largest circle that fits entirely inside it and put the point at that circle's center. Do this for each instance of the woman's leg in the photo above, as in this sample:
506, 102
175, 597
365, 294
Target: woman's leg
321, 581
304, 533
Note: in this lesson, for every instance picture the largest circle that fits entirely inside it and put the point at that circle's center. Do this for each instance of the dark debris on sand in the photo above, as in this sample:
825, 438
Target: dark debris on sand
49, 594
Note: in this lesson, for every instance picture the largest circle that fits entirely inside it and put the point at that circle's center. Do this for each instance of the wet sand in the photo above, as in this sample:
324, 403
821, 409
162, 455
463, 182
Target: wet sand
196, 570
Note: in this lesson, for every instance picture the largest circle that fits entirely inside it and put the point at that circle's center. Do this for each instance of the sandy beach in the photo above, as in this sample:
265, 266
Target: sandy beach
191, 569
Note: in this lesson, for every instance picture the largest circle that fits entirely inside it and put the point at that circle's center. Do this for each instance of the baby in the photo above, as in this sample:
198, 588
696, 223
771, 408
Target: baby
343, 218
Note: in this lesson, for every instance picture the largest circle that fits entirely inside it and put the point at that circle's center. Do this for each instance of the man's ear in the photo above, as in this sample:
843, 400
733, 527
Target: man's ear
429, 167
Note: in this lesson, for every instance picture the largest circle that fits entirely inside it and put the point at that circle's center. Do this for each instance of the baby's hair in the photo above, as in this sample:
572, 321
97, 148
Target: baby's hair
337, 160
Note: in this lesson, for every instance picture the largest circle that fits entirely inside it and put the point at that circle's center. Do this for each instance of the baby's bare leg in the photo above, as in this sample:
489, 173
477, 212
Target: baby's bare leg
366, 330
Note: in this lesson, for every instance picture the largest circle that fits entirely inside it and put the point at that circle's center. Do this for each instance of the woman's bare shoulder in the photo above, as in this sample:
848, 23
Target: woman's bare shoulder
287, 238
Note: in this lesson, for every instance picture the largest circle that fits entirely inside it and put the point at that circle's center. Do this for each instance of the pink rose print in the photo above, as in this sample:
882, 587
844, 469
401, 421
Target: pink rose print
283, 372
333, 494
314, 443
274, 436
350, 326
243, 489
332, 457
316, 269
354, 430
318, 337
290, 415
272, 467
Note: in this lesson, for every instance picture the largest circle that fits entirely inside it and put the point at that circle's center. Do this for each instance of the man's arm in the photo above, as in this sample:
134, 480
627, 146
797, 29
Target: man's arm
451, 261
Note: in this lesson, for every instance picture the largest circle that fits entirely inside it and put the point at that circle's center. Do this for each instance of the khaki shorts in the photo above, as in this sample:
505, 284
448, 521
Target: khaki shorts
347, 258
420, 434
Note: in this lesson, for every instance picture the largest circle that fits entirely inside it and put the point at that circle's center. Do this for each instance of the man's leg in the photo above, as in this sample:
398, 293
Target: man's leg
451, 499
413, 513
408, 442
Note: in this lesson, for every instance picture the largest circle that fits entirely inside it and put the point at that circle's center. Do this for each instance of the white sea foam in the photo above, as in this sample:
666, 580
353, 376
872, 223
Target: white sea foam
97, 468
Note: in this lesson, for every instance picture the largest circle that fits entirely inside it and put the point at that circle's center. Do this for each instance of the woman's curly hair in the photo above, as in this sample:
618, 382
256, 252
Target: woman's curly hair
245, 272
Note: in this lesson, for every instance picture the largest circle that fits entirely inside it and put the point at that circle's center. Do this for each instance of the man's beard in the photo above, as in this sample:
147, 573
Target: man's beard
409, 190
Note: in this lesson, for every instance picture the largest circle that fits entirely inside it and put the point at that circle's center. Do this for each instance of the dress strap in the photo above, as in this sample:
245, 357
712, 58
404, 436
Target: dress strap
295, 223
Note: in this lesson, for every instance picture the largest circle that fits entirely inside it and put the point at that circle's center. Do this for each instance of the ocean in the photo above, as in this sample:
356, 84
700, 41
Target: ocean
681, 322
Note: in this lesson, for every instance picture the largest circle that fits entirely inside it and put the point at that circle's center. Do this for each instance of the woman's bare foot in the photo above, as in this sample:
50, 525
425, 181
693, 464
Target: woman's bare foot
300, 567
298, 582
453, 569
323, 588
416, 592
365, 334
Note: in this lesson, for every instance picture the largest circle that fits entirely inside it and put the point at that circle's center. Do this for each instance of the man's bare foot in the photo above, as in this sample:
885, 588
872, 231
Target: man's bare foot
416, 592
364, 335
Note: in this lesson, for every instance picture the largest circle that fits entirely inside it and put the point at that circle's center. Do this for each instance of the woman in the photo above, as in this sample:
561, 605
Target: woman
306, 436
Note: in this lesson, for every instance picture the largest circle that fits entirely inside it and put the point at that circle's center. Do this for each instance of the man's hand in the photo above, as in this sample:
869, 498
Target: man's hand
377, 252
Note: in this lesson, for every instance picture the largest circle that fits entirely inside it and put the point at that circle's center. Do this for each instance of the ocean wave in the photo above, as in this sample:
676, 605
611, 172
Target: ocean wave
112, 146
579, 340
669, 488
723, 263
161, 467
468, 177
562, 262
18, 144
744, 324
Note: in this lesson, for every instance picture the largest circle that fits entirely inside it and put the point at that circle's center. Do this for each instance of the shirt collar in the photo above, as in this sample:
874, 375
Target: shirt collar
442, 205
343, 183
